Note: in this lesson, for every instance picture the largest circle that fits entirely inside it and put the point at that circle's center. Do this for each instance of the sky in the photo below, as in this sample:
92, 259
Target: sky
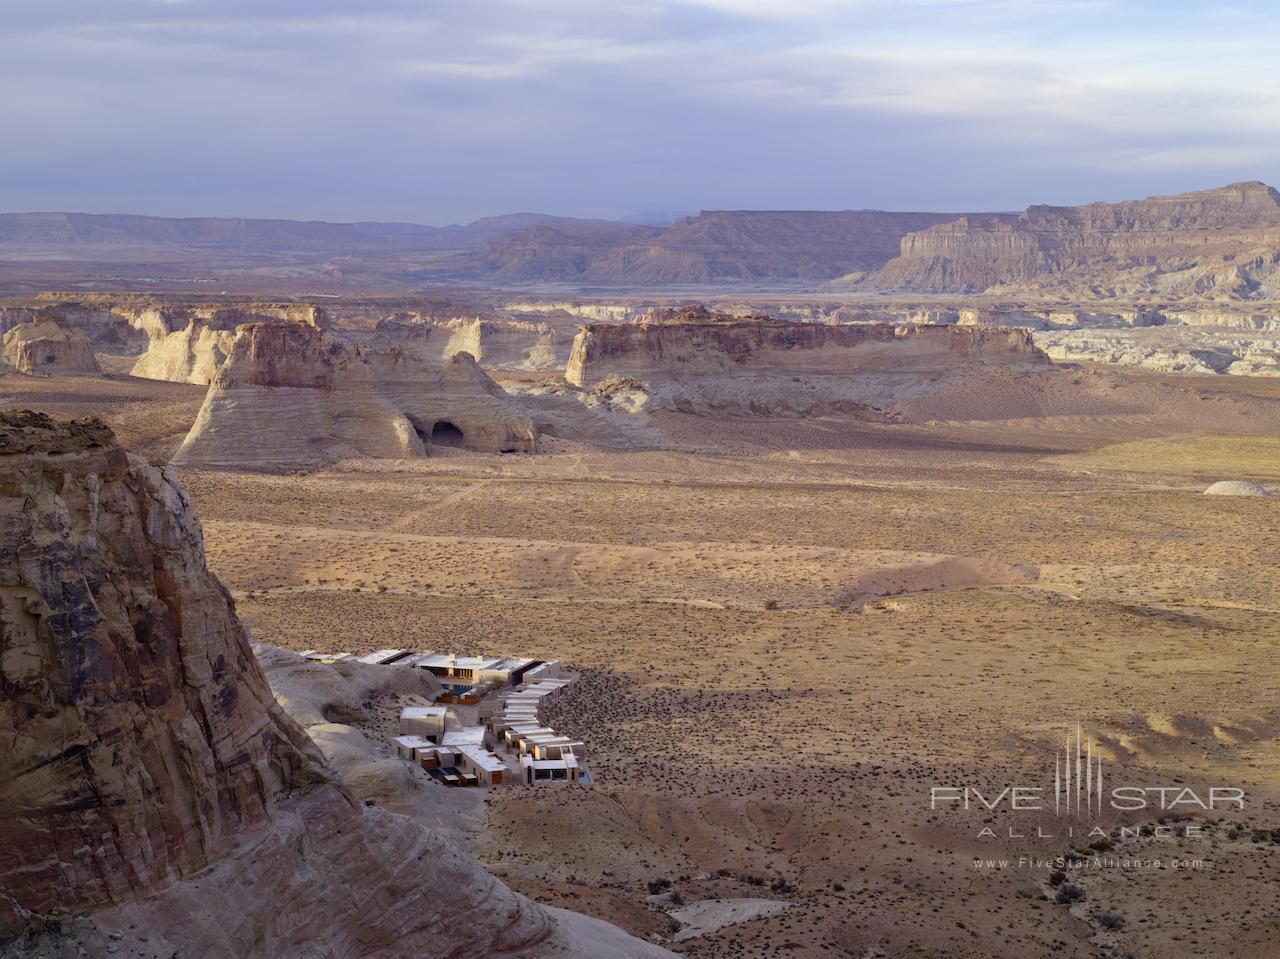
439, 111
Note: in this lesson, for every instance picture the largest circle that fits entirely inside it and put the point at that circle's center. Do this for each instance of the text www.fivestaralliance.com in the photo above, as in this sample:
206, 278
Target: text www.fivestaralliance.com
1095, 862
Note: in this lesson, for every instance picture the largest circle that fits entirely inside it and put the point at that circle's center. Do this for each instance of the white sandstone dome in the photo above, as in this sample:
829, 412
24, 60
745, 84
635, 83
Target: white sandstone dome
1236, 488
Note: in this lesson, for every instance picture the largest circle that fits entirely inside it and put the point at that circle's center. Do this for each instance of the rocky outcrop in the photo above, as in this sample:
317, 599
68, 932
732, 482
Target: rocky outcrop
694, 360
44, 348
150, 779
192, 354
1236, 488
1216, 244
107, 332
1168, 349
140, 736
289, 393
189, 343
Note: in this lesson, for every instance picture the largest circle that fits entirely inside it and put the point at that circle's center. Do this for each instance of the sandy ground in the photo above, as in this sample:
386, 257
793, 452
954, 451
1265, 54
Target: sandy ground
789, 631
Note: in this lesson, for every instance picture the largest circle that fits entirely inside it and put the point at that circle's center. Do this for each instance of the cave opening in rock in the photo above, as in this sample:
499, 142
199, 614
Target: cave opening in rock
445, 433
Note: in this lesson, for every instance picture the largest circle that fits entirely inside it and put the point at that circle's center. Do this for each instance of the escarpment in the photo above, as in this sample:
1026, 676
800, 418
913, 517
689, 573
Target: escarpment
716, 246
288, 393
1216, 244
151, 782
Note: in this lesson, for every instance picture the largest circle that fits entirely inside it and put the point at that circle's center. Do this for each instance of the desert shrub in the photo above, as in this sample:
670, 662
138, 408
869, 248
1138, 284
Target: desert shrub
1111, 920
1068, 893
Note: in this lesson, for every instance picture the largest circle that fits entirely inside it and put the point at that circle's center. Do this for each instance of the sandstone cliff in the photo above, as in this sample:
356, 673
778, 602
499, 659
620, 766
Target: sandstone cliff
188, 343
140, 735
496, 342
1216, 244
106, 331
288, 393
150, 779
44, 348
192, 354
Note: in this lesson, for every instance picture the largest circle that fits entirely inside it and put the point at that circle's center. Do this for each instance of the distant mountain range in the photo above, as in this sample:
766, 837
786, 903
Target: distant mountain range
1216, 244
257, 236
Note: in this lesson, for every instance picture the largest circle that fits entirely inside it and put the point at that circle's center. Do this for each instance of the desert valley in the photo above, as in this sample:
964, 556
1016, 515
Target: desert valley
841, 522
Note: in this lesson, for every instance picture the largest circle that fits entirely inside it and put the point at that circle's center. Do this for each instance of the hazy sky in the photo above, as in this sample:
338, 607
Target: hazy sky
444, 110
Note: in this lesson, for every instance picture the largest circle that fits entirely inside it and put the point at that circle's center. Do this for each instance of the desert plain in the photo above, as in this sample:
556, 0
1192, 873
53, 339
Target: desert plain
790, 631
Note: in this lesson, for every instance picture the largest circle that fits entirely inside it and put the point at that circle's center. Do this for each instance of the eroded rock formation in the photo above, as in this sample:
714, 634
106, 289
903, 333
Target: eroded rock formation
106, 331
288, 393
149, 777
495, 342
694, 361
44, 348
188, 344
1215, 244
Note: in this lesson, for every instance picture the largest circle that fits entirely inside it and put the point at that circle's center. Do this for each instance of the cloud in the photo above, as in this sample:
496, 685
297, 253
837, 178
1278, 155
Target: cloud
453, 108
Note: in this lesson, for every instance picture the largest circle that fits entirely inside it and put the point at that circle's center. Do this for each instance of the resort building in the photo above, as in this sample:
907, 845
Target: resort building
429, 722
513, 744
550, 770
384, 657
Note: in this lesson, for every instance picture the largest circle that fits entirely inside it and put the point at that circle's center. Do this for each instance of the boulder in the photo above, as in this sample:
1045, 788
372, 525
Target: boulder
1236, 488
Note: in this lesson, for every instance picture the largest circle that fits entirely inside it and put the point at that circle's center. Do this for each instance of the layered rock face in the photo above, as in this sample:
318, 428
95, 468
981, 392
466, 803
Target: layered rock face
149, 777
288, 393
192, 354
716, 246
1222, 243
188, 344
140, 735
106, 331
496, 342
696, 361
44, 348
713, 348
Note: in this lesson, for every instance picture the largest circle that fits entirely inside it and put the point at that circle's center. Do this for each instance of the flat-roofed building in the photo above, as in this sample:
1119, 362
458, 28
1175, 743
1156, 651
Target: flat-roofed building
466, 736
566, 770
383, 657
409, 747
318, 656
428, 721
415, 659
484, 765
